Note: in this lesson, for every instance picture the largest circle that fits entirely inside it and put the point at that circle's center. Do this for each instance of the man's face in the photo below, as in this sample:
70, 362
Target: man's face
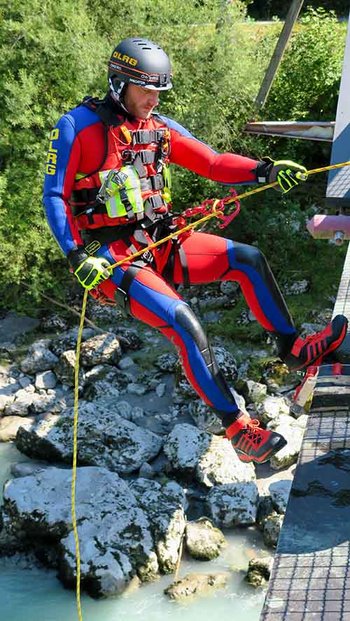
140, 101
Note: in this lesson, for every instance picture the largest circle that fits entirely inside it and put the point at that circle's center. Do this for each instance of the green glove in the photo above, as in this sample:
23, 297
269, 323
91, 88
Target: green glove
90, 271
287, 174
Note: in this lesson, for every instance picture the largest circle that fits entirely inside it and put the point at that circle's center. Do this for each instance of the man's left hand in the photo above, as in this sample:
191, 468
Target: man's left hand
288, 174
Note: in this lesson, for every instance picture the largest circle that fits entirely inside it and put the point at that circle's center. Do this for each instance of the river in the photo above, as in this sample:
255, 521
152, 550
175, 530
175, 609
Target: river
33, 594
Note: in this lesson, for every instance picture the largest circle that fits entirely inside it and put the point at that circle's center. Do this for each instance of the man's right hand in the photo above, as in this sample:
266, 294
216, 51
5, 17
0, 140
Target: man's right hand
90, 271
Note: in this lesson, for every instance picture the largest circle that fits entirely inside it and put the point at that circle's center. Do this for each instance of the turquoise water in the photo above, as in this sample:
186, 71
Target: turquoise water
36, 594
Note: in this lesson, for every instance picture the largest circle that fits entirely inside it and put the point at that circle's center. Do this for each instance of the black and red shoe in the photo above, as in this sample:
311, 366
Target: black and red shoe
251, 442
315, 347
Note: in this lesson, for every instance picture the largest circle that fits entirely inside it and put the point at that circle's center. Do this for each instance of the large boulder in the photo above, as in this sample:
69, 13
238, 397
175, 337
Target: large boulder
104, 439
209, 459
114, 532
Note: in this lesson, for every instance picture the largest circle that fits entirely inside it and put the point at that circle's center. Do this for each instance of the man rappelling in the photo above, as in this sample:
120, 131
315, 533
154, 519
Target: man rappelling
107, 194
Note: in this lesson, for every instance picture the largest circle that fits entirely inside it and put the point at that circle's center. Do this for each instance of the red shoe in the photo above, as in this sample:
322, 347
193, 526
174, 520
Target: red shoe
251, 442
315, 347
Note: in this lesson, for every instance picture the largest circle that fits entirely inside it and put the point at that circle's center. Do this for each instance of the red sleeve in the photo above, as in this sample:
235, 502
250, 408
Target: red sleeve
195, 155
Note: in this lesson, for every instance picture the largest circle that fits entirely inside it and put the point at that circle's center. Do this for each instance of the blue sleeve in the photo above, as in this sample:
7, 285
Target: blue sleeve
61, 167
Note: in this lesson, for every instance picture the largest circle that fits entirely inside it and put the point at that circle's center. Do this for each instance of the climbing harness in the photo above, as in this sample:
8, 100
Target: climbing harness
210, 208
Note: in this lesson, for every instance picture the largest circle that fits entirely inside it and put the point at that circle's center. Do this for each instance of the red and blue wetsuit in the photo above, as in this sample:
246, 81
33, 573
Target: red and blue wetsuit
98, 136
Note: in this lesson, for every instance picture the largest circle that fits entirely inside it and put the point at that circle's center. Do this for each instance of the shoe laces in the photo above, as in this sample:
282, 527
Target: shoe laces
254, 423
253, 431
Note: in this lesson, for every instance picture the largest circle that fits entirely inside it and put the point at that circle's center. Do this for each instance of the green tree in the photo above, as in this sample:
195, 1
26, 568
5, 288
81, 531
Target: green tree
53, 54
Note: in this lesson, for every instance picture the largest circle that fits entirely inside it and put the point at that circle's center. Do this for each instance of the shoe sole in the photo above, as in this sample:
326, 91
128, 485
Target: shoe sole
263, 458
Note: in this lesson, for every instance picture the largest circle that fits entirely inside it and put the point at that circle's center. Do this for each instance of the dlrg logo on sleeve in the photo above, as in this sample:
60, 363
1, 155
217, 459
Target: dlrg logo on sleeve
51, 160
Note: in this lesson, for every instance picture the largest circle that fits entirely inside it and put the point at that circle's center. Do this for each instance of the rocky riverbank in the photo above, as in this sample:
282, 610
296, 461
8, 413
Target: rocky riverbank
154, 470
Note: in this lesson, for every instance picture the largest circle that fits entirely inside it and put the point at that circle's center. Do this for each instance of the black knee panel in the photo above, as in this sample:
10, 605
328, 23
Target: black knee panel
250, 255
188, 320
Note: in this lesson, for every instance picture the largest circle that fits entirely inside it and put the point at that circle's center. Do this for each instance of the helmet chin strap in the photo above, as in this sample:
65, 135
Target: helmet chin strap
116, 93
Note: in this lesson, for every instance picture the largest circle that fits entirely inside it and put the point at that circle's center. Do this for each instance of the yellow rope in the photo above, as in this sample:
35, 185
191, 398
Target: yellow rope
75, 454
213, 214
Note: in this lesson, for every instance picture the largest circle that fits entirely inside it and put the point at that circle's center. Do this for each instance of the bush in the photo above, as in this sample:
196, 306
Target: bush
53, 54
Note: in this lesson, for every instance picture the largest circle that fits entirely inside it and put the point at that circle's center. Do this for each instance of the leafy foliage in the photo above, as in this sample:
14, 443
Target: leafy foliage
267, 9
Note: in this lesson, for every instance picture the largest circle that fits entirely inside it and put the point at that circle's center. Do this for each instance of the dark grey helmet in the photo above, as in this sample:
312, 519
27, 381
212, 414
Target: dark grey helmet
140, 62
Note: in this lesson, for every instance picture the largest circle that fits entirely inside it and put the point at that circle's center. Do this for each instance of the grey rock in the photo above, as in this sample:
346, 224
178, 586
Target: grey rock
160, 389
101, 349
39, 358
9, 426
164, 506
279, 491
196, 585
115, 538
22, 403
259, 570
53, 323
293, 431
218, 464
297, 288
229, 288
209, 459
146, 471
125, 363
65, 368
272, 529
265, 509
101, 389
233, 504
125, 410
68, 340
136, 389
46, 380
49, 402
27, 468
203, 540
256, 392
105, 438
272, 408
166, 362
184, 446
117, 547
25, 381
205, 417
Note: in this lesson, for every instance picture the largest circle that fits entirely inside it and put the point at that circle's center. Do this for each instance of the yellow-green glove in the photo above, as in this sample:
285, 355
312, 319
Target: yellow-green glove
90, 271
288, 174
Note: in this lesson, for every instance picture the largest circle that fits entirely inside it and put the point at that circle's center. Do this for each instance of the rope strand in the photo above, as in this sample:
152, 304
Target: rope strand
75, 455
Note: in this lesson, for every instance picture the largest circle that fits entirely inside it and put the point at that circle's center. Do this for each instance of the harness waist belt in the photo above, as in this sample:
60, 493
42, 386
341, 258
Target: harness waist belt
145, 136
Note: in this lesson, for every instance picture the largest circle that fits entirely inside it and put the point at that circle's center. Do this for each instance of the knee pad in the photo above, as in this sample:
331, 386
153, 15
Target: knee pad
250, 255
186, 318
